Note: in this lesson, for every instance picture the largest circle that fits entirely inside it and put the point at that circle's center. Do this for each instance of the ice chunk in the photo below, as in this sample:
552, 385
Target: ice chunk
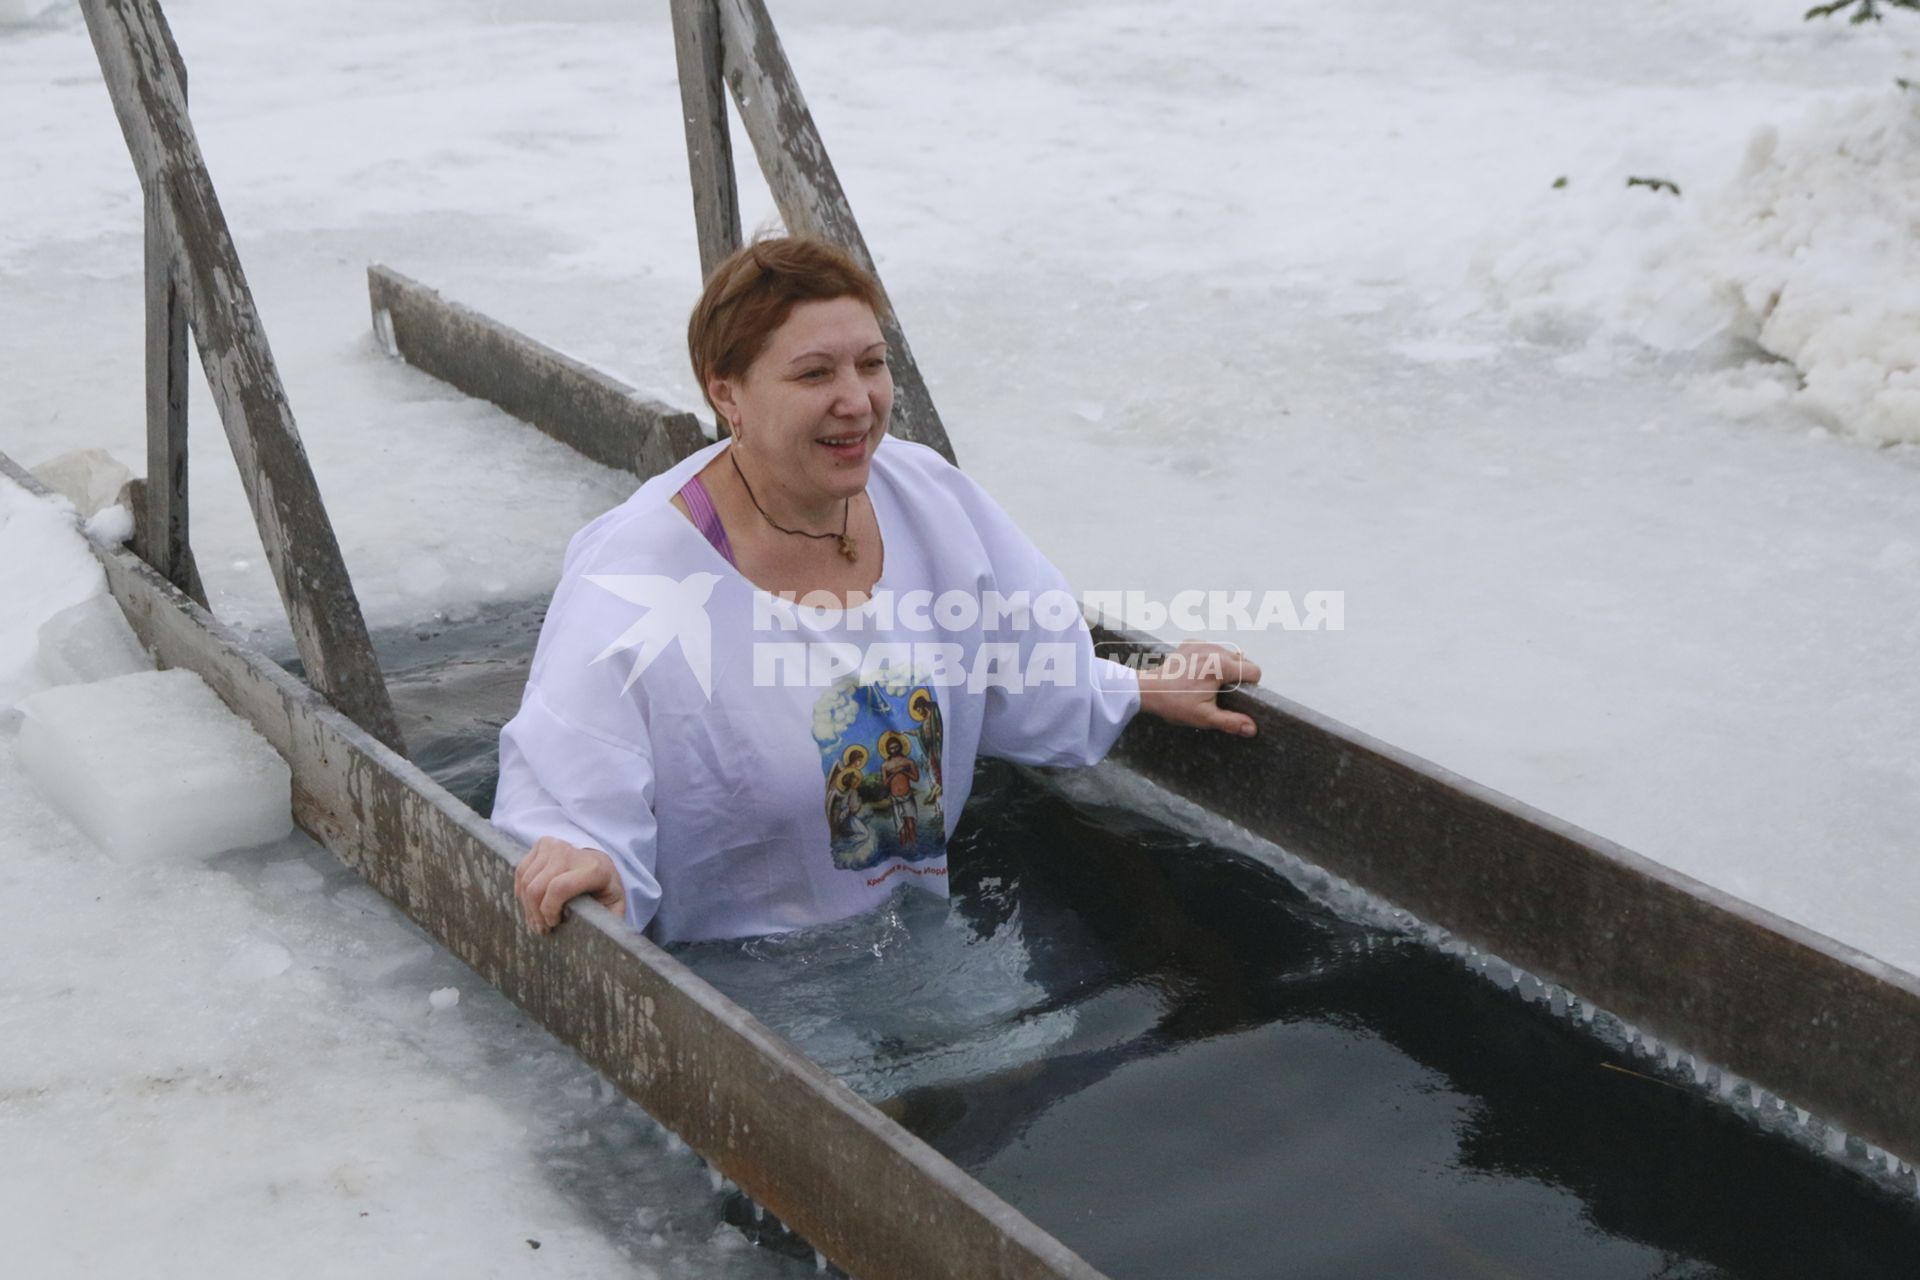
153, 766
88, 641
91, 479
443, 998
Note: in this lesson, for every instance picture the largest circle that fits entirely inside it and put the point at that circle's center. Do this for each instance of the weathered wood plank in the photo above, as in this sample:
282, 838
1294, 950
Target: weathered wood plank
576, 404
164, 525
1812, 1020
161, 520
138, 60
805, 186
703, 105
872, 1197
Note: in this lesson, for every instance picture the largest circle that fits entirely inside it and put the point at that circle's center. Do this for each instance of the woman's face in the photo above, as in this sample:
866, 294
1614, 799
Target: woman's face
811, 410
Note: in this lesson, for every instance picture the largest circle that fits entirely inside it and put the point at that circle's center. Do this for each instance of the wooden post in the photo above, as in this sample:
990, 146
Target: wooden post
163, 523
164, 536
137, 59
703, 104
805, 186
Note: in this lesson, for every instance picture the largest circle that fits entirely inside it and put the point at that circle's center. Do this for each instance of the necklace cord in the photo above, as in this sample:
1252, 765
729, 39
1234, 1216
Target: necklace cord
847, 546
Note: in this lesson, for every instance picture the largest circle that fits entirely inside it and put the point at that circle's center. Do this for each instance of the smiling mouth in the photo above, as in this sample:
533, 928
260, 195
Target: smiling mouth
842, 442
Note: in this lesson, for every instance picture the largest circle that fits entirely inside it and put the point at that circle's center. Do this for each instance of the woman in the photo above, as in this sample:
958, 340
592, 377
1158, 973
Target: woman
683, 722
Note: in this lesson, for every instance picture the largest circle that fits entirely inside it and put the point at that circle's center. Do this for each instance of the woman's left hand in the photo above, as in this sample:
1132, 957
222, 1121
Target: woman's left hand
1186, 689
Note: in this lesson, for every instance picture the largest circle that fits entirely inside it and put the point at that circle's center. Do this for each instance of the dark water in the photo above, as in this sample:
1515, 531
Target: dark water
1168, 1057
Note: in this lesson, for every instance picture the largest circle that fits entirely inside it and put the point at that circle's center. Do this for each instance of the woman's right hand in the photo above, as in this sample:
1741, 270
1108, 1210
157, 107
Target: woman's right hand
554, 873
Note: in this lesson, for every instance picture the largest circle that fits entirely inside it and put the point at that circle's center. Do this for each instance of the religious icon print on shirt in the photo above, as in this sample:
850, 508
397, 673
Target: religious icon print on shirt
880, 753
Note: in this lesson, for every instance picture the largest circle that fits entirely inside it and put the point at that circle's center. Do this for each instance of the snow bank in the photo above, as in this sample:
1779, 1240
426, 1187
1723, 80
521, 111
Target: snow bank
1804, 247
153, 765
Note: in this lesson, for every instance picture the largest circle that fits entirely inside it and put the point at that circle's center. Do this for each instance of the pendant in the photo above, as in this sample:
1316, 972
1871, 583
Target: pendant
848, 550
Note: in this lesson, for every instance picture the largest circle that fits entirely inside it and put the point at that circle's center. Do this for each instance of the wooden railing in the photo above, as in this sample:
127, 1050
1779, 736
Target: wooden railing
195, 284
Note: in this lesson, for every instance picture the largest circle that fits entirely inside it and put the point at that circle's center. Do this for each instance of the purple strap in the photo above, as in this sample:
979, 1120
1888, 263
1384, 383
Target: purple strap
706, 519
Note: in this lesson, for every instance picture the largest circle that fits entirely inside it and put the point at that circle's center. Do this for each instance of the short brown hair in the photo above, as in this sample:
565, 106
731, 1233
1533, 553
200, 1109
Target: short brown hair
752, 292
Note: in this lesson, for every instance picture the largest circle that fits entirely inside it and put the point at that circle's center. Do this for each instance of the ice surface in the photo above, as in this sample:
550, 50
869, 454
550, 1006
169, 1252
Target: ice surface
20, 11
89, 641
154, 767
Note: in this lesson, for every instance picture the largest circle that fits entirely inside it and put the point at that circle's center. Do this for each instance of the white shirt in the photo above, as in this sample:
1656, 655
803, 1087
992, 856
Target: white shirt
770, 766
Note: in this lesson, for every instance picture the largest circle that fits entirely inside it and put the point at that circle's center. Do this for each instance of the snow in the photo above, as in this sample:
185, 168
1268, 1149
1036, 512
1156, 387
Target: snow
1802, 247
1244, 295
152, 765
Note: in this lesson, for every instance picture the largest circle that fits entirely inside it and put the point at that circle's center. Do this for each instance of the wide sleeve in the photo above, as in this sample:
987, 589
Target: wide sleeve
1070, 706
559, 779
576, 761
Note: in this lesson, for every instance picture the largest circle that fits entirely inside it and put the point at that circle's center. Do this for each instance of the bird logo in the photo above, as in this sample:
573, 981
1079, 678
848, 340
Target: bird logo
676, 609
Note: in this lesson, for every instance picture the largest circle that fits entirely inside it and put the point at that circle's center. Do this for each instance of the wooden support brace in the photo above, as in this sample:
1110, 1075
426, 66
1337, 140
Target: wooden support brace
163, 524
805, 186
703, 102
161, 514
138, 60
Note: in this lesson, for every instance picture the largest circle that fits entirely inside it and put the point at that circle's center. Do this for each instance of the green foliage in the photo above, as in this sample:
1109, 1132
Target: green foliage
1863, 10
1655, 184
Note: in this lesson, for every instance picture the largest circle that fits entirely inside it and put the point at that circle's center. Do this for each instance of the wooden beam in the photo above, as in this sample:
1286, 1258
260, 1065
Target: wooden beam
703, 103
576, 404
805, 186
1806, 1017
137, 59
164, 538
867, 1194
161, 519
